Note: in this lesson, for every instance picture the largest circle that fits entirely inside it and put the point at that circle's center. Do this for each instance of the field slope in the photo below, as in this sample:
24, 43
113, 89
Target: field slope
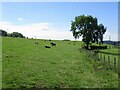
28, 65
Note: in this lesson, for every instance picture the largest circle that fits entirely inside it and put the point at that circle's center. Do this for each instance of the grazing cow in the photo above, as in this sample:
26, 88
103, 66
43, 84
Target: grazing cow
47, 47
53, 44
36, 43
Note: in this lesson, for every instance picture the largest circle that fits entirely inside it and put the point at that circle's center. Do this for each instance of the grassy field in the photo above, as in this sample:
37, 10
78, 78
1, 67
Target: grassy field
27, 65
111, 50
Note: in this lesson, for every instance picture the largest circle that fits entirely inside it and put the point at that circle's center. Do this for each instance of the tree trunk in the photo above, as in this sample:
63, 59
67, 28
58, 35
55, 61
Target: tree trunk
87, 46
97, 40
102, 39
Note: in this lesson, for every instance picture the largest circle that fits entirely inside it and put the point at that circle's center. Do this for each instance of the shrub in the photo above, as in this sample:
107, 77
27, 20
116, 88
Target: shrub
97, 47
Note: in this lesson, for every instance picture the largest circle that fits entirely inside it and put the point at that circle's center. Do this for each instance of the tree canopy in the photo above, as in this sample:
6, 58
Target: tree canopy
88, 28
16, 34
13, 34
3, 33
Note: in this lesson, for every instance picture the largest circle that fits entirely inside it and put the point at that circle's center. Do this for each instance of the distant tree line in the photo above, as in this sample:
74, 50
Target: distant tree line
13, 34
89, 29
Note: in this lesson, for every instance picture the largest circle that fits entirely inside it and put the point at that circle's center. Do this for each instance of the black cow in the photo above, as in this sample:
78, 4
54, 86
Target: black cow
36, 43
47, 46
53, 44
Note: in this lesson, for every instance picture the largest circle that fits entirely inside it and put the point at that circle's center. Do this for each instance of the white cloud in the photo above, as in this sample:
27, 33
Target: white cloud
20, 19
47, 31
113, 36
40, 30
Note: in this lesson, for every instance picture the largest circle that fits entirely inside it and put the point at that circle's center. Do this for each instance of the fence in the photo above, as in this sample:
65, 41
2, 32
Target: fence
109, 61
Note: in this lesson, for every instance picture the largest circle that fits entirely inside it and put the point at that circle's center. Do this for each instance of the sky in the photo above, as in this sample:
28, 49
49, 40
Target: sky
60, 0
52, 20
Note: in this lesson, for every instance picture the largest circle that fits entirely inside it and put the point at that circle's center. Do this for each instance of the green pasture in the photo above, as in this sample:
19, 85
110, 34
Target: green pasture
28, 65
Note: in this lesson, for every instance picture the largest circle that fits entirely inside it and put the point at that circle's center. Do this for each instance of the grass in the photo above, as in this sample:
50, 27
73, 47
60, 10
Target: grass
111, 50
27, 65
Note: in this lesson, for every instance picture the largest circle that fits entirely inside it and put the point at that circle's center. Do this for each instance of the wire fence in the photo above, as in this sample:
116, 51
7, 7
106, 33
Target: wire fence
110, 61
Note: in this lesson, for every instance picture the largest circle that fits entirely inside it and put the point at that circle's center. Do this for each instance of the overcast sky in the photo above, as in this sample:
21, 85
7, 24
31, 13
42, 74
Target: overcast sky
52, 20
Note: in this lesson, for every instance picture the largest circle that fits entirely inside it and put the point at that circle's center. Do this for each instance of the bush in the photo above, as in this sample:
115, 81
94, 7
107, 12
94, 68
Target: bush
97, 47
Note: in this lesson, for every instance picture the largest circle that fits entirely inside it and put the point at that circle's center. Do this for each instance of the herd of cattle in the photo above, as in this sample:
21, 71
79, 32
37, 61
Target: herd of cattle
47, 46
51, 44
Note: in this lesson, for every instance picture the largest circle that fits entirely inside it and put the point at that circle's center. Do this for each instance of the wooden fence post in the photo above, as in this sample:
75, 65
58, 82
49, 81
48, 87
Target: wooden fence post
101, 56
104, 58
115, 63
98, 56
108, 61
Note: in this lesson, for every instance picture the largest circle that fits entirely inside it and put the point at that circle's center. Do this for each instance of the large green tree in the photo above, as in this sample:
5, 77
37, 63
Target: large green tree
88, 28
